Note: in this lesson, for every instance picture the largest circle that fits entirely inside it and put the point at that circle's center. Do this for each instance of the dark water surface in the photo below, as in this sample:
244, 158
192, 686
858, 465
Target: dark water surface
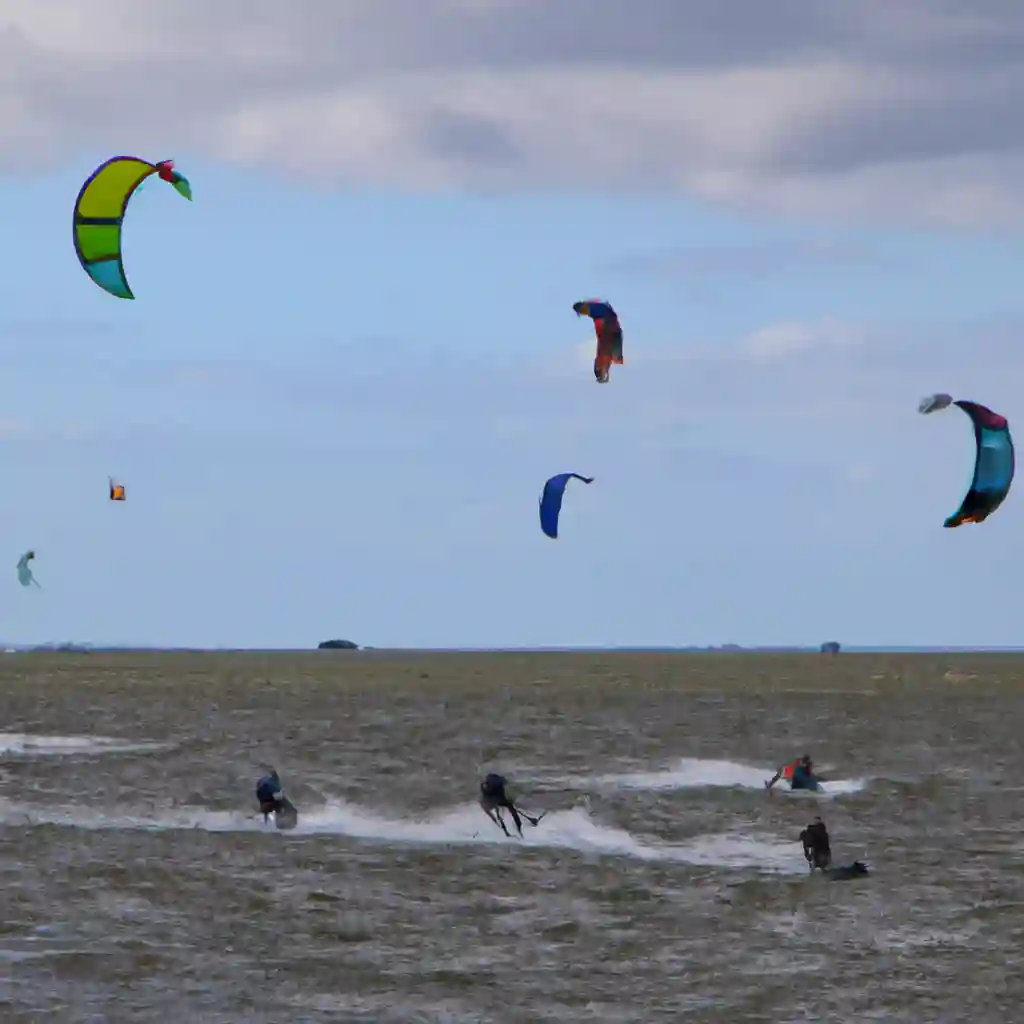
137, 884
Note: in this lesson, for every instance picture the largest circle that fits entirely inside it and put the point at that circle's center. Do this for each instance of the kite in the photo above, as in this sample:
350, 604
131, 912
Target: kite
99, 214
609, 335
551, 501
994, 462
25, 577
116, 490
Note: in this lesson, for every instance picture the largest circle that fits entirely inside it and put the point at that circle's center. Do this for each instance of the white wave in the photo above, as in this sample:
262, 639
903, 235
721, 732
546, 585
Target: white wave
696, 773
467, 825
832, 787
49, 746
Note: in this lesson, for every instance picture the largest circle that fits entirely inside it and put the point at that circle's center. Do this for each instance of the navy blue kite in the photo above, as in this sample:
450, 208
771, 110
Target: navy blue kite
994, 462
551, 501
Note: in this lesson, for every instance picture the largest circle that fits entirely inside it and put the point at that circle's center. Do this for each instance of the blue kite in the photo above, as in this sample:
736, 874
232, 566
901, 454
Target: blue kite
551, 501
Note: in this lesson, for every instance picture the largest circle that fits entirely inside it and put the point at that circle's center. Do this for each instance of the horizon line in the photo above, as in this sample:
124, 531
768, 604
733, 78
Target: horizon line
86, 647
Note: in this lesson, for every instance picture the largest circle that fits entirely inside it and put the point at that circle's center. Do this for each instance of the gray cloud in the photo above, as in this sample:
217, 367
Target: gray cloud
907, 109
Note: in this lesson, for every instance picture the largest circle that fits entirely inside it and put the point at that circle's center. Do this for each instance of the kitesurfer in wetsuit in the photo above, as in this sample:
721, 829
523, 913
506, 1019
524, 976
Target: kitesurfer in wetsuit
817, 849
800, 775
803, 774
493, 798
268, 792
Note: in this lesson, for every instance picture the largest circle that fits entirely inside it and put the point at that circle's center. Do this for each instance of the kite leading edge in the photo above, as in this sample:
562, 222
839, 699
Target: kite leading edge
99, 215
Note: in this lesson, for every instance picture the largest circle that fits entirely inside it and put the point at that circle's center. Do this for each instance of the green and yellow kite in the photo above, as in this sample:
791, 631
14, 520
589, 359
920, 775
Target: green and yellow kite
100, 210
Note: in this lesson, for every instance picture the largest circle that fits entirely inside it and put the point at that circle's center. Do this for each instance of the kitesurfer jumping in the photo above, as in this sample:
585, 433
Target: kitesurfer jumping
493, 798
268, 793
817, 849
799, 774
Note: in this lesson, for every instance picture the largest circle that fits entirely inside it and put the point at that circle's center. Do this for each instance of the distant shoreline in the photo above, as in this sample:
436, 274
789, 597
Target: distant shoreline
340, 654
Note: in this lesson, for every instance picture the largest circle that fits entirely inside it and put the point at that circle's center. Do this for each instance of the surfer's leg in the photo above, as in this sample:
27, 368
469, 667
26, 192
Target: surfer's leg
493, 815
493, 808
516, 819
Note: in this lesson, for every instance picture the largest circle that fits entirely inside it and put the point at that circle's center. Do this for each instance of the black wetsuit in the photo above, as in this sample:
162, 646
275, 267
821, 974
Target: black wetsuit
268, 793
493, 798
817, 849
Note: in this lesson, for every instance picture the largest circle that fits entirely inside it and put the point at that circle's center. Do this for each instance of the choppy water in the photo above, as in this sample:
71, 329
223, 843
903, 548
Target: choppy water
136, 880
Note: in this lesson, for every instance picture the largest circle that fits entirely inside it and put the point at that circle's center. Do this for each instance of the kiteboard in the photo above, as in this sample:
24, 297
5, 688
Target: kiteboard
286, 816
533, 819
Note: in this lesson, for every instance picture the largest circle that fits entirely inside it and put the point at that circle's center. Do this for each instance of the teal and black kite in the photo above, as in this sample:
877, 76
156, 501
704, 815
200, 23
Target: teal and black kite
994, 460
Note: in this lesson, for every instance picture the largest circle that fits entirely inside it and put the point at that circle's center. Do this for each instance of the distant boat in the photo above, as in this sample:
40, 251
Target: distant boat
337, 645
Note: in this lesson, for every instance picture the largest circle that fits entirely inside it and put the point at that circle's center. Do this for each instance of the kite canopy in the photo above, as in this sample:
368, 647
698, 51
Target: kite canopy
25, 577
551, 501
116, 490
99, 214
609, 335
994, 461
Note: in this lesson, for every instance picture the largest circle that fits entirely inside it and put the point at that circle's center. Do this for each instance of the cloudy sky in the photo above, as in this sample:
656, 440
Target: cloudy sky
353, 361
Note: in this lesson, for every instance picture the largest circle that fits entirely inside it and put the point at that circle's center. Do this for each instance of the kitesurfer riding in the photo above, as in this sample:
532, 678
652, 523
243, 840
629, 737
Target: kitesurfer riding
799, 774
817, 849
803, 776
493, 798
268, 793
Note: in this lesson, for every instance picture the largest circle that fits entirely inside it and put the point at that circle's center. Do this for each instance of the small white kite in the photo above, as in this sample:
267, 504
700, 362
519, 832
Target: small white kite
933, 403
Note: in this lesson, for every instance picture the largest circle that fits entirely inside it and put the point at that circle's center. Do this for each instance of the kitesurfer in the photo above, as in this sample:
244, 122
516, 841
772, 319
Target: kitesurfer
268, 793
817, 849
799, 774
493, 798
803, 774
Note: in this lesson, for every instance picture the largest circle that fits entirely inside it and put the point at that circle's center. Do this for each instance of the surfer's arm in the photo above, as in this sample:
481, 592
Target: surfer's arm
805, 840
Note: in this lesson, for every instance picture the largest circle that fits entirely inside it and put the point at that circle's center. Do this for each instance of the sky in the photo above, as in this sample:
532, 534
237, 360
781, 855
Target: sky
352, 360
